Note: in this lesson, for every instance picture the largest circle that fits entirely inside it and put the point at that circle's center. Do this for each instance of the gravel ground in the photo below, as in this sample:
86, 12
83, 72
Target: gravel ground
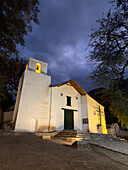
119, 146
30, 152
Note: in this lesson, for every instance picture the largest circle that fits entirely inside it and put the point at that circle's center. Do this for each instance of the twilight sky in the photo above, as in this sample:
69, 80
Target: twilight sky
62, 37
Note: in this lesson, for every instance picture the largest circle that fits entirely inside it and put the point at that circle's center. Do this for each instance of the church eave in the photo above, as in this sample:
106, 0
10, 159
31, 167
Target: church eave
74, 84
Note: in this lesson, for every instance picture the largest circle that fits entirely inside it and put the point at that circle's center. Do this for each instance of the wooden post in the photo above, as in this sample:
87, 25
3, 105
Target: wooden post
99, 111
100, 114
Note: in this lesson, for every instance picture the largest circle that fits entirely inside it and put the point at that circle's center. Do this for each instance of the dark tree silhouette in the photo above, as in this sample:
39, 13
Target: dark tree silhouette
16, 19
109, 44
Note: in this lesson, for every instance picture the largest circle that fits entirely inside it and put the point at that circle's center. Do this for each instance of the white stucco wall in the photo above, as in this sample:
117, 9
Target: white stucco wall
84, 109
16, 108
59, 102
93, 115
40, 107
32, 65
34, 102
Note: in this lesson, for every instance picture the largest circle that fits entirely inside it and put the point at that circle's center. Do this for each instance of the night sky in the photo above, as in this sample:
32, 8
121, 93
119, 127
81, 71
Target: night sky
62, 37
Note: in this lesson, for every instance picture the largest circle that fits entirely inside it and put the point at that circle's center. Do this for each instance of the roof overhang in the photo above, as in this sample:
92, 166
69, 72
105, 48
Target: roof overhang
72, 83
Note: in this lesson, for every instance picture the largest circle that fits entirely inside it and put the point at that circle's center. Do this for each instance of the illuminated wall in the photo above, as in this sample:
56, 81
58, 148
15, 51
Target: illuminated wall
32, 104
38, 68
94, 117
59, 103
40, 107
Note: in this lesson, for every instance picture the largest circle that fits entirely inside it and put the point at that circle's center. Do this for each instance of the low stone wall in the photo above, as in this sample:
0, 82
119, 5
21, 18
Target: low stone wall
46, 135
115, 130
114, 145
7, 116
123, 134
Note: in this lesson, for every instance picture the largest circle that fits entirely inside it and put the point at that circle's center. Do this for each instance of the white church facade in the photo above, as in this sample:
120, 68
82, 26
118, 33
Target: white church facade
43, 107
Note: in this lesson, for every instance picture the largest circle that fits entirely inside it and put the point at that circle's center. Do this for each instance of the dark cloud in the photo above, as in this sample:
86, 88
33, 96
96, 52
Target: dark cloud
62, 37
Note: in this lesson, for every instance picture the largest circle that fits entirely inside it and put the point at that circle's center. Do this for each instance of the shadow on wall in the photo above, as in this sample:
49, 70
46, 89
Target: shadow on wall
78, 129
45, 128
60, 128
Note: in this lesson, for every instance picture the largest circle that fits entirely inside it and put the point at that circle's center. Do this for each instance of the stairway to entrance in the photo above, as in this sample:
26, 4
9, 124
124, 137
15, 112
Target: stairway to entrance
73, 136
66, 134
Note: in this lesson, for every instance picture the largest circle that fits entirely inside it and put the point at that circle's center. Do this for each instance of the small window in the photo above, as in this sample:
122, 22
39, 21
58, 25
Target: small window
85, 121
38, 68
68, 101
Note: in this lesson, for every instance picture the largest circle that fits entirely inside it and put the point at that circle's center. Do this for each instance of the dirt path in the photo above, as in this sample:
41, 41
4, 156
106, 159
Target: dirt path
29, 152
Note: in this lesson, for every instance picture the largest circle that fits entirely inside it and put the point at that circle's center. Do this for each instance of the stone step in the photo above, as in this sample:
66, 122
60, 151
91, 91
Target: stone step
61, 141
80, 136
71, 139
66, 134
75, 132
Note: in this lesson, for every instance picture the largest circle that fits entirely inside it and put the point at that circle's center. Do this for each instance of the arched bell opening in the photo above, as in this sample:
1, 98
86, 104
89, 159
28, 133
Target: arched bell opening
38, 68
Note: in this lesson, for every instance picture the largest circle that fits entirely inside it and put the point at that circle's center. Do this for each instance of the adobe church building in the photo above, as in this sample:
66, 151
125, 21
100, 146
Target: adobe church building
42, 107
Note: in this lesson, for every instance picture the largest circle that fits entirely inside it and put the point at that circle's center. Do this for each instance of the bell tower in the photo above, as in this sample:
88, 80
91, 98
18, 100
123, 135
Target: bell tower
33, 97
36, 66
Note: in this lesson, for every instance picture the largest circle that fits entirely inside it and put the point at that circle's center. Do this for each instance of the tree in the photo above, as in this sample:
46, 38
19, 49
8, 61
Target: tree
119, 101
10, 72
102, 96
16, 19
109, 44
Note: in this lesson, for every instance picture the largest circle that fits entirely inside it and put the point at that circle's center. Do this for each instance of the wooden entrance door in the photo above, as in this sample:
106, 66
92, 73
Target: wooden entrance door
68, 120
